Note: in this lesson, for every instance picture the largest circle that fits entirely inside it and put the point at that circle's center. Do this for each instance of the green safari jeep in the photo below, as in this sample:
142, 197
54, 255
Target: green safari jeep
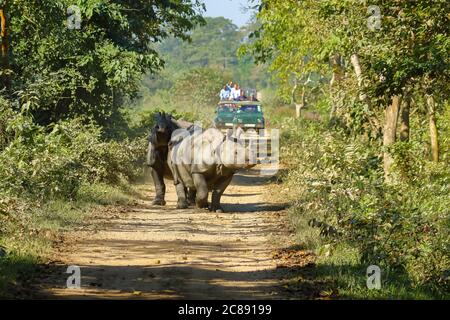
245, 114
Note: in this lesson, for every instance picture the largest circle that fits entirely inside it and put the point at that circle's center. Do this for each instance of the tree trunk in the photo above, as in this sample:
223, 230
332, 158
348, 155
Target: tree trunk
433, 129
335, 80
301, 106
373, 121
294, 90
6, 83
298, 111
390, 132
357, 67
404, 126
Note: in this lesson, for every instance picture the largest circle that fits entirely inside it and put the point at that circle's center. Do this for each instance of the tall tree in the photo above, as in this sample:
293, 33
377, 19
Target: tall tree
397, 43
434, 136
87, 56
6, 83
405, 118
390, 135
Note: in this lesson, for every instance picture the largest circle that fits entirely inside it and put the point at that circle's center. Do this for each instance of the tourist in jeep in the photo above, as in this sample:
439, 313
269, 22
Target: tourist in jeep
224, 93
242, 96
235, 93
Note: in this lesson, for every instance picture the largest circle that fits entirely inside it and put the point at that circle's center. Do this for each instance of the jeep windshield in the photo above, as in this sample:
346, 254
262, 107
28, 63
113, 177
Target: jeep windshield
226, 109
250, 109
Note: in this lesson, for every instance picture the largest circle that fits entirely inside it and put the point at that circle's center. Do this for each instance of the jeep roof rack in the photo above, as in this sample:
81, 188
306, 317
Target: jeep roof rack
240, 103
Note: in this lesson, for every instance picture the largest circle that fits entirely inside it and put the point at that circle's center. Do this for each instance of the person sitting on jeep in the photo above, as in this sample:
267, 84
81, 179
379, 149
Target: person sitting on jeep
235, 93
224, 93
242, 96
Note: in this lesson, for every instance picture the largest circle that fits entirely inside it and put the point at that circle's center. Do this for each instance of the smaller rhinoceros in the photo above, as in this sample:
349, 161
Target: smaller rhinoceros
158, 150
157, 153
206, 161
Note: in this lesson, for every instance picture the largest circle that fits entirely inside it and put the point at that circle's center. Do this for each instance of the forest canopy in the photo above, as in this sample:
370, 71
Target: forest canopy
64, 58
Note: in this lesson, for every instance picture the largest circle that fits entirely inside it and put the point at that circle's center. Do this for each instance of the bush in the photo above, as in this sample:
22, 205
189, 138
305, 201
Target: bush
336, 184
6, 113
46, 162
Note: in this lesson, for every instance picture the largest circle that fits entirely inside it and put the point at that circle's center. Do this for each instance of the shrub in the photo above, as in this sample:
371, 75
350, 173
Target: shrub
336, 185
6, 113
54, 161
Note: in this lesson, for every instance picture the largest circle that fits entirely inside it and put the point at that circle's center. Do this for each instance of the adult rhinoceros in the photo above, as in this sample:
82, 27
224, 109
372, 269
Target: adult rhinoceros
206, 161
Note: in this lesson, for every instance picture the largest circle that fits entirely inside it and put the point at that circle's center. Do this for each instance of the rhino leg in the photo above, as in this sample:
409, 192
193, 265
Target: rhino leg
181, 193
218, 190
191, 194
151, 155
160, 187
201, 186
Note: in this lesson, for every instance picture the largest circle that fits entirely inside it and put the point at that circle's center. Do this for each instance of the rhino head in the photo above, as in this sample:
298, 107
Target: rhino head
233, 153
214, 148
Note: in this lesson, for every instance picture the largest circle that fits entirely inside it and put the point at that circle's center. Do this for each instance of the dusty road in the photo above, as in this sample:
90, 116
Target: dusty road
148, 252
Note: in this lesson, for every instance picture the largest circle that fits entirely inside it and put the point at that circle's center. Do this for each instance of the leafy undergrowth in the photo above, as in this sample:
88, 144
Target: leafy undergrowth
344, 213
50, 179
30, 229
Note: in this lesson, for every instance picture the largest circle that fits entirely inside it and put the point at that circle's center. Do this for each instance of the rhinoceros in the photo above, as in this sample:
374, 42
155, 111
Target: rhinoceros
206, 161
157, 153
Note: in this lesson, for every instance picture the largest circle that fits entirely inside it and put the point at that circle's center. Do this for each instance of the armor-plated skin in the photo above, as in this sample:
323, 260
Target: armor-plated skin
157, 154
206, 161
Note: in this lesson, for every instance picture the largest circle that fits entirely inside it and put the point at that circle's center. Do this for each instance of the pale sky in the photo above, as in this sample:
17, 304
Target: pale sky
231, 9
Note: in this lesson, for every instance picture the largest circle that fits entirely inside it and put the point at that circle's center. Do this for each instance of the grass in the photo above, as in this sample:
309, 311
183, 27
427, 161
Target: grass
29, 231
339, 268
343, 269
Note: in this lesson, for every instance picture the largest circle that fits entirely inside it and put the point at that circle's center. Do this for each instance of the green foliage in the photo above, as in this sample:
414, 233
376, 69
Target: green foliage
63, 73
28, 230
336, 184
196, 71
6, 113
335, 176
292, 38
213, 45
199, 87
410, 43
194, 94
53, 162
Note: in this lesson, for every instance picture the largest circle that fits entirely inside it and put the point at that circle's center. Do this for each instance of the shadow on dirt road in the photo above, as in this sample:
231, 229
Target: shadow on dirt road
150, 252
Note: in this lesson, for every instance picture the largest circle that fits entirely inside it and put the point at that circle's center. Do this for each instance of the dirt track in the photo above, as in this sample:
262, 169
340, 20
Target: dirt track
148, 252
